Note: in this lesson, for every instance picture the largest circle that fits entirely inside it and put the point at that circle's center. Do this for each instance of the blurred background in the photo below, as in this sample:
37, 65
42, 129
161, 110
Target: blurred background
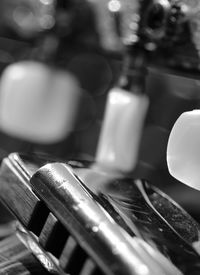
96, 72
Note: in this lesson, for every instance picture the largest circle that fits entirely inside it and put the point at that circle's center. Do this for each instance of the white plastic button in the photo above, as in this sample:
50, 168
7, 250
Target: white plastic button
121, 131
183, 151
38, 103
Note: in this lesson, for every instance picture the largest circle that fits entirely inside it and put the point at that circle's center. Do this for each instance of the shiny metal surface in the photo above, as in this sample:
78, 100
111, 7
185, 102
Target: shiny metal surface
125, 226
31, 242
95, 231
107, 215
104, 231
138, 208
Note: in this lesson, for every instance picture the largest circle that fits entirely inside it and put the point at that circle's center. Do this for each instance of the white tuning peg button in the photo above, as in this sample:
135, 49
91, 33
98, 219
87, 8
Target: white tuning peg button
121, 131
183, 150
38, 103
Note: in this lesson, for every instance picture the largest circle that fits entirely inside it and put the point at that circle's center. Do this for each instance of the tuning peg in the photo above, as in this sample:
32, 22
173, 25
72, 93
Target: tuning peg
38, 103
121, 130
124, 117
183, 150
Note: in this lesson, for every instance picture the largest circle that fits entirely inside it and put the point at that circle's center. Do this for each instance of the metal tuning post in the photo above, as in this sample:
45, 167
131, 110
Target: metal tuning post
79, 228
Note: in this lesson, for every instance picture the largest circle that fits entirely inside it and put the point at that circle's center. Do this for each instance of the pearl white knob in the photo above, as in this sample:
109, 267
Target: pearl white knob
38, 103
121, 131
183, 150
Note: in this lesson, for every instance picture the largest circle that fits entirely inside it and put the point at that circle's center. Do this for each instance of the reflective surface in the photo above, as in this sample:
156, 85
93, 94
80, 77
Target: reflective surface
183, 149
140, 209
145, 211
164, 234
